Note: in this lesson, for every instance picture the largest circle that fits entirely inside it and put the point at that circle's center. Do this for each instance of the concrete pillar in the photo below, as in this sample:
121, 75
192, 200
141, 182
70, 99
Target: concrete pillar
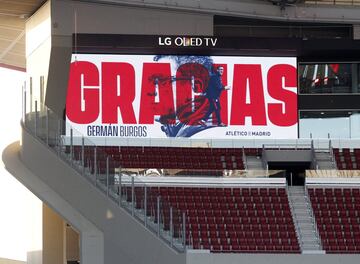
90, 245
53, 237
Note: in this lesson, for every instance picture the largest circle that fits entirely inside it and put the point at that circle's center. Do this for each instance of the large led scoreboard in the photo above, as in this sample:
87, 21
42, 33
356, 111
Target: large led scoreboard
192, 96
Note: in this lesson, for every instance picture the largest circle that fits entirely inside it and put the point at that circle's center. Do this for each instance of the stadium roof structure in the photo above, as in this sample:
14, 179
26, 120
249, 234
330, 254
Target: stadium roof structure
14, 13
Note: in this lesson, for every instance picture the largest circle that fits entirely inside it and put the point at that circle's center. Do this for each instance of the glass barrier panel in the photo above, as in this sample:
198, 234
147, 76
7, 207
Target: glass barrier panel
138, 196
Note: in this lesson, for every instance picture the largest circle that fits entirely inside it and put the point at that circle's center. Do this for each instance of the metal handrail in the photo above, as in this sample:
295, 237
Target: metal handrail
333, 2
281, 146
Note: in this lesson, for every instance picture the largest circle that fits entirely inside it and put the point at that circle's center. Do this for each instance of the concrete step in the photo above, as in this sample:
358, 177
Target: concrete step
299, 202
310, 243
300, 205
308, 232
308, 228
304, 214
308, 239
305, 224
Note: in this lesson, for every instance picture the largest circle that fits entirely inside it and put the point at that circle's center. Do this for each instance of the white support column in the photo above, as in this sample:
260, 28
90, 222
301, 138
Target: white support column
91, 247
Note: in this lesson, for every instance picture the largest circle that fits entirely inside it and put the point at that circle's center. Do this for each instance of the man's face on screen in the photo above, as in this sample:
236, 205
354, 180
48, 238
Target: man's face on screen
220, 70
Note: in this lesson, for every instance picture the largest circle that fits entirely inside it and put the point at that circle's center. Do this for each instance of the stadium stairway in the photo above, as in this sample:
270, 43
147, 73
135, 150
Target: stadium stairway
324, 160
304, 221
254, 163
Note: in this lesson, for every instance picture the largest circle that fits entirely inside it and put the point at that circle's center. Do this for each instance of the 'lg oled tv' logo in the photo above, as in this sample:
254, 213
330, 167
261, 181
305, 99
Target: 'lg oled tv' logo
188, 41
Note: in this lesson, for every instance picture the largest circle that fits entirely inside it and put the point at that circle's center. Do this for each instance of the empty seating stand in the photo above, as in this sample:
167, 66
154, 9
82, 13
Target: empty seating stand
236, 220
182, 158
347, 159
210, 159
337, 213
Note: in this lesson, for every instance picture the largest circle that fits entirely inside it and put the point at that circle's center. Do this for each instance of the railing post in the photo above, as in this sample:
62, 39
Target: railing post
107, 175
158, 215
244, 158
132, 195
31, 95
47, 126
83, 154
36, 117
71, 146
95, 165
145, 206
171, 227
120, 187
24, 95
58, 139
184, 230
62, 127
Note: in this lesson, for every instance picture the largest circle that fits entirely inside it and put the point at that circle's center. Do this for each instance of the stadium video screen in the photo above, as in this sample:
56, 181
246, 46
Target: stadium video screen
167, 96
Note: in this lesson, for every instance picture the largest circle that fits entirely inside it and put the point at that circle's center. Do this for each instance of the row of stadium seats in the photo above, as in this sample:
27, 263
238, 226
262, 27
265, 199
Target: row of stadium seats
185, 158
253, 220
195, 151
165, 157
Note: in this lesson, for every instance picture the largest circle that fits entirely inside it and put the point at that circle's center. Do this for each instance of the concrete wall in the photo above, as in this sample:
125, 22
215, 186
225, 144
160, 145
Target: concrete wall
259, 9
288, 155
69, 17
123, 237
